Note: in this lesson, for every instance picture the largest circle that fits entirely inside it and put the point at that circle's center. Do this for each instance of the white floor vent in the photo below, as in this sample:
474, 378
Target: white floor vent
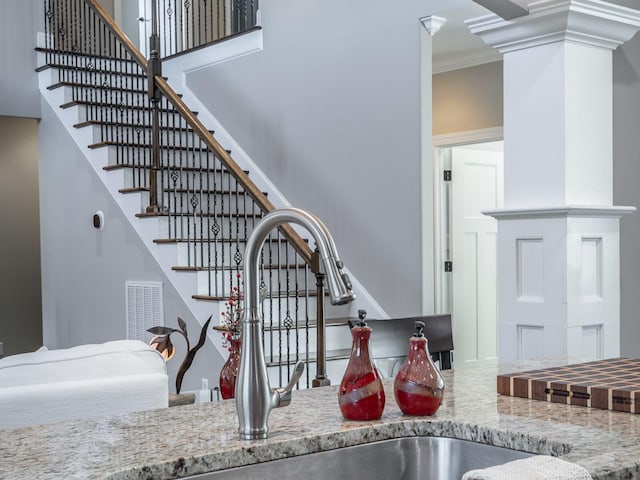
144, 309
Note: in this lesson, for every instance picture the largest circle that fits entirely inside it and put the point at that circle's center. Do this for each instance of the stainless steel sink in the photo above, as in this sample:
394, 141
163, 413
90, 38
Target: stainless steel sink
410, 458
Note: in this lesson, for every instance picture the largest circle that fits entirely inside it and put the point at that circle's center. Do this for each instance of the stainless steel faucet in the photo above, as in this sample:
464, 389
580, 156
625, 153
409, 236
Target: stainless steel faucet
254, 396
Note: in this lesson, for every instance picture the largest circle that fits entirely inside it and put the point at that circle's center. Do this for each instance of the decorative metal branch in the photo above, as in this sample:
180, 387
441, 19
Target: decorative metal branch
162, 342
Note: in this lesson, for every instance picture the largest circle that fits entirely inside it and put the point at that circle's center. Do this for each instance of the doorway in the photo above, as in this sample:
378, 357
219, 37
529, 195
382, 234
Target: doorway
470, 180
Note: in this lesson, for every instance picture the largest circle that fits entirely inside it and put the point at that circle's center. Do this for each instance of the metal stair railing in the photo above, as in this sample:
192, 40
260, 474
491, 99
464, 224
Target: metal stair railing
210, 203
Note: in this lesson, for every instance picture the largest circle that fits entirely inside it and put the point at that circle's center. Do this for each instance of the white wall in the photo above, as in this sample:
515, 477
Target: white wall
20, 20
84, 270
330, 110
626, 191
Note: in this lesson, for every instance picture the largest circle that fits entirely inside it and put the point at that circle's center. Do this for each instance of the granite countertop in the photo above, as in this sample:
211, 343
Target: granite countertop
182, 441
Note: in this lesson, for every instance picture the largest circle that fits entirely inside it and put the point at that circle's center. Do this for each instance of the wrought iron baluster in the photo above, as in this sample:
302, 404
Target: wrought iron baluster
321, 376
287, 320
306, 319
216, 227
206, 234
154, 69
202, 150
280, 300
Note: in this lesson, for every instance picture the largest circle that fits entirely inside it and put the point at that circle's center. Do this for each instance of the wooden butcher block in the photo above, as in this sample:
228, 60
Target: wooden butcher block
612, 384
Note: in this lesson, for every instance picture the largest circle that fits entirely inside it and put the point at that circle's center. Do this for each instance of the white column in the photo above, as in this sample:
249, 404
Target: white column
558, 235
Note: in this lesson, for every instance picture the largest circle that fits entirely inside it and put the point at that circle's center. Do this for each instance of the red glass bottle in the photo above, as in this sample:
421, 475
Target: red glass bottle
361, 395
418, 386
229, 371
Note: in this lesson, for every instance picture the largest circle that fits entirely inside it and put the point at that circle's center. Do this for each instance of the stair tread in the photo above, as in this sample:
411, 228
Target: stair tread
115, 88
186, 191
329, 322
199, 214
81, 68
88, 123
205, 240
74, 103
279, 294
184, 268
336, 354
53, 86
84, 54
169, 168
187, 148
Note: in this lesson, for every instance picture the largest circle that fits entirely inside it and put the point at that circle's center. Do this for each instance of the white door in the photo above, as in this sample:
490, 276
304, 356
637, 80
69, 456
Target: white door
476, 185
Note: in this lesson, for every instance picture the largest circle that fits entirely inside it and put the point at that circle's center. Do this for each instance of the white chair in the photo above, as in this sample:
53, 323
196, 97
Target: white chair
86, 381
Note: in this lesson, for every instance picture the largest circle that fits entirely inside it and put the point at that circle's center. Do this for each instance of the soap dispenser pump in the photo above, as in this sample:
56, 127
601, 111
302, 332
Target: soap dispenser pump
361, 395
418, 386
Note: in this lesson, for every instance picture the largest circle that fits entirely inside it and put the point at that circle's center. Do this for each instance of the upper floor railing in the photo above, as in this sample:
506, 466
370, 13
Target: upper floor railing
184, 25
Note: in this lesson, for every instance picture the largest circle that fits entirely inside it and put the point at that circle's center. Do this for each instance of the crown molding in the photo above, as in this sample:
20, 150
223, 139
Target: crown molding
560, 212
447, 63
433, 23
589, 22
469, 136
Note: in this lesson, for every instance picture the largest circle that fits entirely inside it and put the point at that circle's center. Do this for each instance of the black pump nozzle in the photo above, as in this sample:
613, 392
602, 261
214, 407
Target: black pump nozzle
419, 328
361, 316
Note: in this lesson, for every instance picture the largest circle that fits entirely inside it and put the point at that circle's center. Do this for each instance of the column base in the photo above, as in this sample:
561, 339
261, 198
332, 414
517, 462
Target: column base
558, 282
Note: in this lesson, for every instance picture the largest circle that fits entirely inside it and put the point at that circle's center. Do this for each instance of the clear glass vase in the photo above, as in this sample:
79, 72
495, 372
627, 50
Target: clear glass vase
361, 395
418, 386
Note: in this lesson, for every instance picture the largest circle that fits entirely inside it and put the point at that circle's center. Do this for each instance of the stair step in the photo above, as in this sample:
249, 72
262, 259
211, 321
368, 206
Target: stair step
97, 87
85, 103
186, 191
328, 322
105, 86
100, 123
275, 295
172, 241
337, 354
91, 56
81, 68
169, 168
147, 145
199, 214
185, 268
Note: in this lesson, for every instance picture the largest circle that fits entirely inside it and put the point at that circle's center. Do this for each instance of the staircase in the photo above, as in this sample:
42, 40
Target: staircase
165, 168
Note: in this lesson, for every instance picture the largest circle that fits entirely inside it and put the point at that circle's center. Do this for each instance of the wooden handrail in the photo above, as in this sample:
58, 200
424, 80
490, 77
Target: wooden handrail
119, 34
235, 170
243, 179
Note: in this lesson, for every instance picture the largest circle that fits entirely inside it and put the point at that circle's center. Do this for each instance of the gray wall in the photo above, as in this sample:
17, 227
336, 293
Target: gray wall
20, 294
20, 316
20, 20
626, 186
330, 110
84, 270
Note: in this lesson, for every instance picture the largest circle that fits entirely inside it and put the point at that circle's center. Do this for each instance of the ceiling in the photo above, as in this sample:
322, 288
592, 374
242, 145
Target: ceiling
455, 47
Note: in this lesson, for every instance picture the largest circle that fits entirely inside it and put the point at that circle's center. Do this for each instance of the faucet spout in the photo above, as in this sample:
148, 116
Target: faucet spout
254, 397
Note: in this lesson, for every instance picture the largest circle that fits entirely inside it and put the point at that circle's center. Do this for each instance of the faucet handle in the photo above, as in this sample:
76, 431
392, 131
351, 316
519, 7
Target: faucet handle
284, 394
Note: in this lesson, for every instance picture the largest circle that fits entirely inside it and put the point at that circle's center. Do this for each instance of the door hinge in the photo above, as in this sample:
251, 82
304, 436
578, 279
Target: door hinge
448, 266
447, 175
